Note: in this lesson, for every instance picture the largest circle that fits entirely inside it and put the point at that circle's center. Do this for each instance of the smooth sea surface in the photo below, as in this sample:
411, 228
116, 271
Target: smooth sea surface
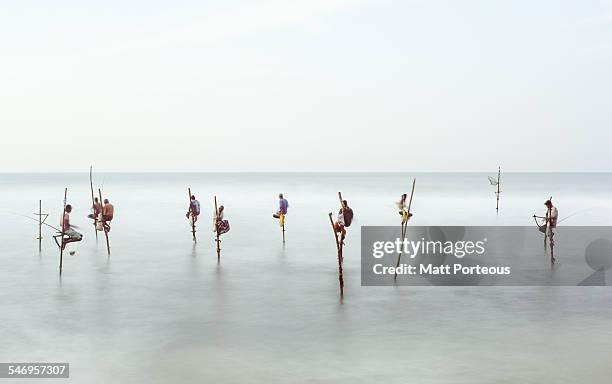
161, 309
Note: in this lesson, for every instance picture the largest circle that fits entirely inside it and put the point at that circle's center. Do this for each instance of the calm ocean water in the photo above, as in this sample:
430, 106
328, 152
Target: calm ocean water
161, 309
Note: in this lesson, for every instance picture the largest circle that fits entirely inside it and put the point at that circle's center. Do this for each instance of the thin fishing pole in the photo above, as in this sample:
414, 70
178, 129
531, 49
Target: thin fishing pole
34, 219
574, 214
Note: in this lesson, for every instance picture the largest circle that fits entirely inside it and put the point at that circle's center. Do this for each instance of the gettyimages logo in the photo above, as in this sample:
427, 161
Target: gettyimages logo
484, 256
412, 249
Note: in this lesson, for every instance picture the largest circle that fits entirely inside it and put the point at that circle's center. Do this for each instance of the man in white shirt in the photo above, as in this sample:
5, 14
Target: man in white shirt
553, 214
550, 223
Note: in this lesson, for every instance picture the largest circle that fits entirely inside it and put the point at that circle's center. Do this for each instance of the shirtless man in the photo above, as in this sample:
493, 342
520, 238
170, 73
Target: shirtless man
95, 208
68, 229
108, 211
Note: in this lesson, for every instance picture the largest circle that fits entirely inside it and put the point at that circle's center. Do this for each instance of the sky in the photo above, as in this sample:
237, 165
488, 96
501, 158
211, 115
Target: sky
315, 85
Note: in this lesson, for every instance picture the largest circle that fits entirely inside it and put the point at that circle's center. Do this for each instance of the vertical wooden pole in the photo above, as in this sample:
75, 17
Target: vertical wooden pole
405, 226
552, 251
339, 245
546, 228
342, 209
39, 226
63, 231
549, 228
498, 181
104, 222
41, 220
217, 240
193, 228
547, 223
411, 194
339, 249
93, 201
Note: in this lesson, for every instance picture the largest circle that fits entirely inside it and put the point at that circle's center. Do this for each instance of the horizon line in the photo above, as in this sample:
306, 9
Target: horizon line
300, 171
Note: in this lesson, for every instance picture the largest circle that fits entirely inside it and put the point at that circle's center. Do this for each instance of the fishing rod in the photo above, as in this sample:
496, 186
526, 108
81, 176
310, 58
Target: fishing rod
574, 214
43, 223
566, 217
36, 220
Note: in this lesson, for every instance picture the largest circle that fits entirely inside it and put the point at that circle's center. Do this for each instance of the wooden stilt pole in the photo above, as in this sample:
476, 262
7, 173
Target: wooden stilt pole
552, 251
549, 234
547, 223
217, 240
93, 202
340, 246
40, 221
341, 239
340, 261
193, 227
63, 231
405, 226
283, 226
546, 229
498, 191
411, 195
104, 222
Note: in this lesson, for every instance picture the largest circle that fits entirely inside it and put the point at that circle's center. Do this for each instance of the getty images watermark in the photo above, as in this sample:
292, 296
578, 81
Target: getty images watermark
484, 256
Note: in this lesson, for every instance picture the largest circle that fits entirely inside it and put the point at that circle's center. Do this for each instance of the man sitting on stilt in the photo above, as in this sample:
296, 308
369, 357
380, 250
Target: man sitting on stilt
108, 211
70, 234
401, 206
550, 224
283, 204
344, 220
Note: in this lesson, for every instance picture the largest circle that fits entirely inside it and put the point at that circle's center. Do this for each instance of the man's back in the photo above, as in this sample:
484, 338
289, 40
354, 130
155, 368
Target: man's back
347, 214
108, 209
283, 204
195, 207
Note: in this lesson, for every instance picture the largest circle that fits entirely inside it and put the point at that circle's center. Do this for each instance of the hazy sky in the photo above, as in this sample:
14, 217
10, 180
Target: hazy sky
305, 85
